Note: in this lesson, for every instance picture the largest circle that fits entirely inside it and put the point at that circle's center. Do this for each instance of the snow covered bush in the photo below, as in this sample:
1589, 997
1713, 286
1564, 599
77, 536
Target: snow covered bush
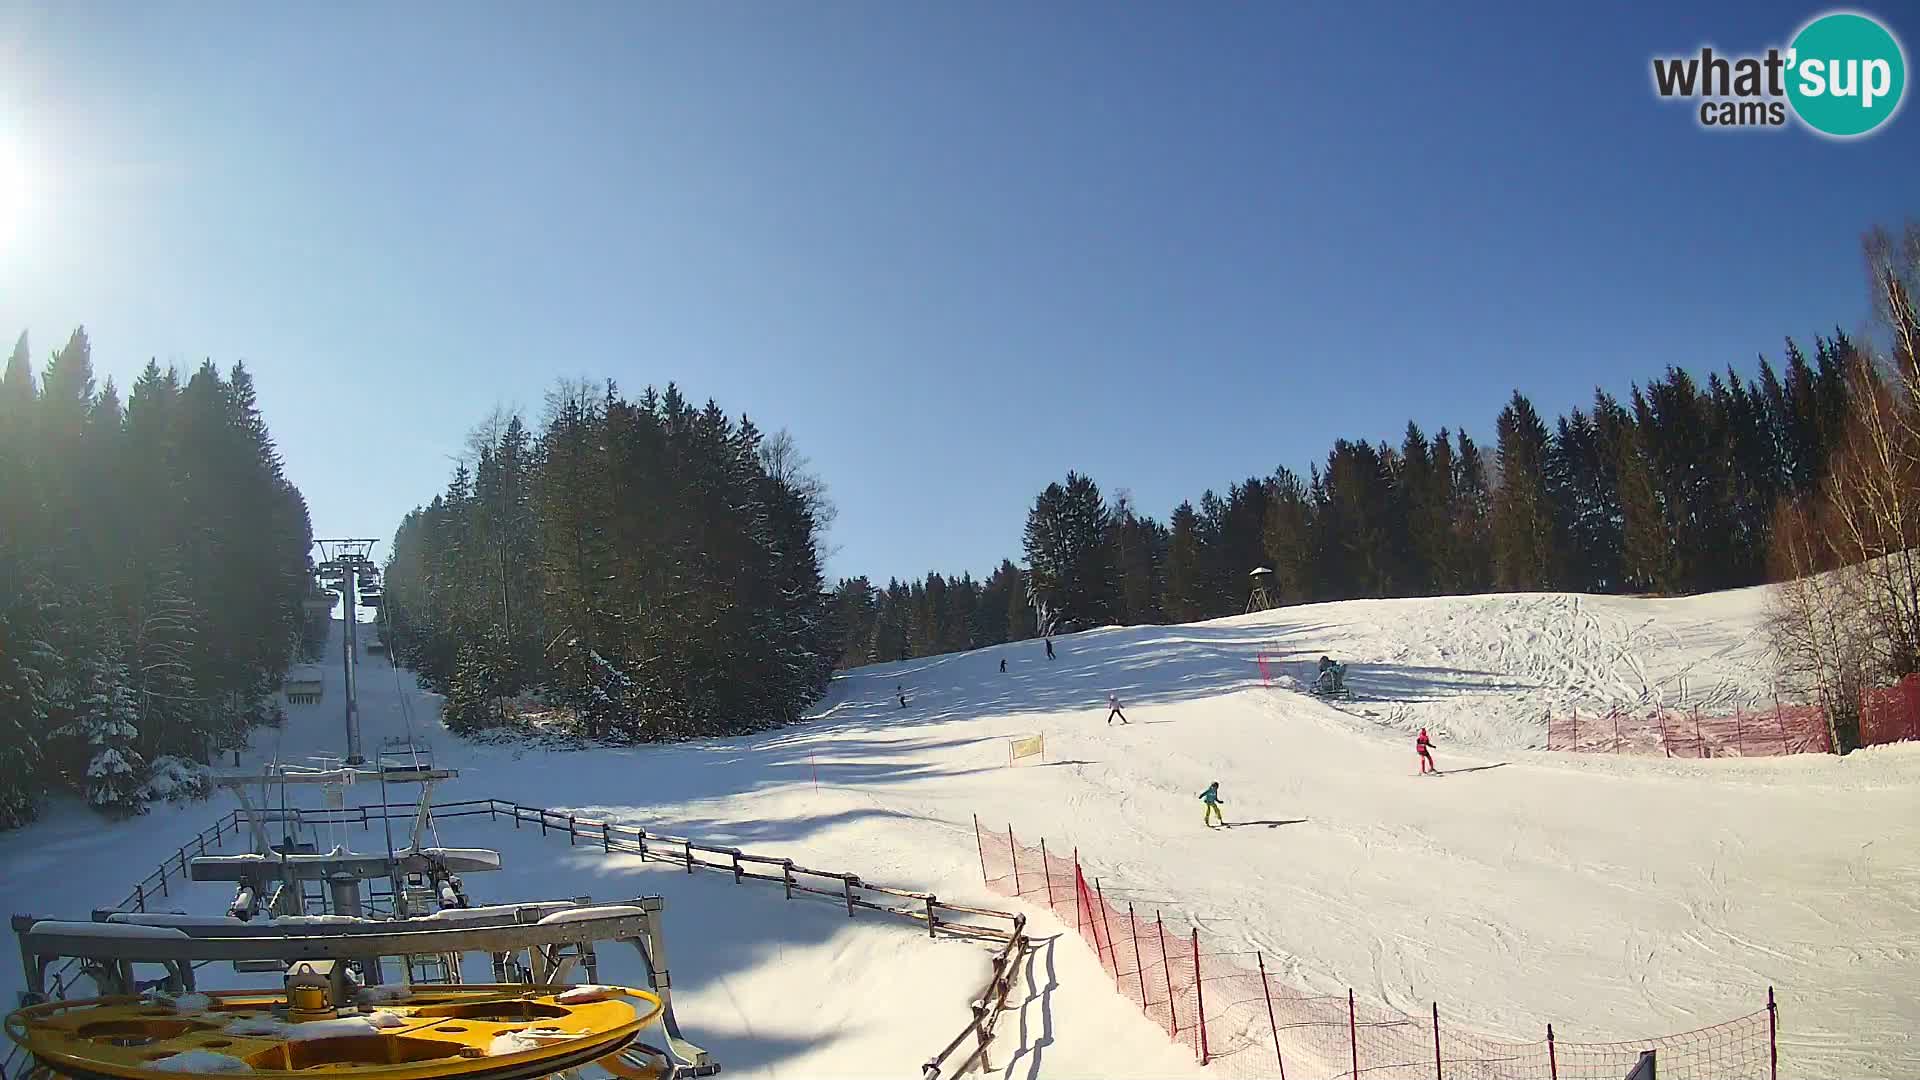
106, 718
176, 779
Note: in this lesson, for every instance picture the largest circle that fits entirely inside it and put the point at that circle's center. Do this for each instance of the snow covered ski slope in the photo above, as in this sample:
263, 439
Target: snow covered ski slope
1612, 896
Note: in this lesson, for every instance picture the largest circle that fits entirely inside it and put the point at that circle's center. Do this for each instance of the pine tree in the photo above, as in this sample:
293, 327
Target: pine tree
1186, 588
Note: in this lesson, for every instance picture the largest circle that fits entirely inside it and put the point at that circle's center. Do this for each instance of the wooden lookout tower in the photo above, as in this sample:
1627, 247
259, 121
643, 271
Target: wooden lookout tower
1259, 599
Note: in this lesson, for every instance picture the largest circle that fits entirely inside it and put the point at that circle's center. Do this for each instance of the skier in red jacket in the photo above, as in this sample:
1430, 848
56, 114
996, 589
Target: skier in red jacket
1423, 746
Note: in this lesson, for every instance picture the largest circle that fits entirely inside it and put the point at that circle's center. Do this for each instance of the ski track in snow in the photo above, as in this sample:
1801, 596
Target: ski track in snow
1614, 896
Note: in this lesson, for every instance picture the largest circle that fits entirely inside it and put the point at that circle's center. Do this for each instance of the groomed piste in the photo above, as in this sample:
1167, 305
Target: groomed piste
1616, 897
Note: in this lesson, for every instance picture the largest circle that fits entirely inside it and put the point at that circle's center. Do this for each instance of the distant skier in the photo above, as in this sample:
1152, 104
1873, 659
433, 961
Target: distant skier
1212, 798
1422, 746
1113, 710
903, 694
1049, 648
1003, 665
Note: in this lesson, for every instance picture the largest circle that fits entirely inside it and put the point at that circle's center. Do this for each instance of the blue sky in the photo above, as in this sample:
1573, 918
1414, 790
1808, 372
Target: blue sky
957, 249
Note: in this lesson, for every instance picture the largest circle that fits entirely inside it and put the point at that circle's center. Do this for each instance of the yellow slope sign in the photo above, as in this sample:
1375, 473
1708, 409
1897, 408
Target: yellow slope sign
1026, 747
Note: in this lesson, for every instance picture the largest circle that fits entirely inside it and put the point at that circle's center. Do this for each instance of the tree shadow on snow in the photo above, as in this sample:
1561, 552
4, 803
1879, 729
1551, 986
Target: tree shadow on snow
747, 964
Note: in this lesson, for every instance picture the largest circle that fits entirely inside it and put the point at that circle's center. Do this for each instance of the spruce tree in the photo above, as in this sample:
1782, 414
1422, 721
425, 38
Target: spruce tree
1525, 533
1070, 564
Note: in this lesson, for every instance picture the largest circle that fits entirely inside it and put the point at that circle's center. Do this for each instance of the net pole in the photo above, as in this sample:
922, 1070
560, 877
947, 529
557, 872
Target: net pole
981, 847
1272, 1026
1353, 1035
1199, 997
1553, 1058
1436, 1042
1139, 969
1046, 869
1166, 968
1773, 1037
1082, 907
1013, 853
1107, 926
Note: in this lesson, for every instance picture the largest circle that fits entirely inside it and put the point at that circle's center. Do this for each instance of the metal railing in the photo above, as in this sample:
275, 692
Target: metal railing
796, 881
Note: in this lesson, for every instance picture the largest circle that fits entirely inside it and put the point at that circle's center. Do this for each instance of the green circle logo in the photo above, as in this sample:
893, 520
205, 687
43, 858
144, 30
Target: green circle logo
1846, 75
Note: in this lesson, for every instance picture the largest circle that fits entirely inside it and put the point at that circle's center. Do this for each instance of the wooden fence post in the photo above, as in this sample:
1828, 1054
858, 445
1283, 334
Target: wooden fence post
689, 858
1437, 1075
848, 880
1271, 1025
571, 831
1166, 968
543, 821
1353, 1034
1553, 1060
736, 866
140, 897
1573, 715
606, 837
1199, 997
786, 876
1046, 869
1661, 715
1705, 750
932, 920
1614, 714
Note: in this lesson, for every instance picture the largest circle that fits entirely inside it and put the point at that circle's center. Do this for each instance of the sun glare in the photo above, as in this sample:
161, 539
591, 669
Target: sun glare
14, 190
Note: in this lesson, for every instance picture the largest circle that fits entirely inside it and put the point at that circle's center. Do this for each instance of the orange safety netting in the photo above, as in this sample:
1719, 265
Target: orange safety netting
1231, 1004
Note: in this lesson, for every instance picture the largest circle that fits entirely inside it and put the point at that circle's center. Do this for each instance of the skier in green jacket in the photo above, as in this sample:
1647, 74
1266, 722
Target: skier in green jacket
1212, 798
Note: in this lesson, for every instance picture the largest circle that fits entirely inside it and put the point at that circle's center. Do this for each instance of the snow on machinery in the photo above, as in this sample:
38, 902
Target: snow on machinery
320, 925
1331, 680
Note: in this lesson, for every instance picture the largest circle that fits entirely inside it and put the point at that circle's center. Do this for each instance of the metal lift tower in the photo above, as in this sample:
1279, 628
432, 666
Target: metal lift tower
343, 564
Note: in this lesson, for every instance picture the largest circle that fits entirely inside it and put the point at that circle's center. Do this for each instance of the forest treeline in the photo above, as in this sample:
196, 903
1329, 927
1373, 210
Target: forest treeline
153, 568
645, 569
1672, 490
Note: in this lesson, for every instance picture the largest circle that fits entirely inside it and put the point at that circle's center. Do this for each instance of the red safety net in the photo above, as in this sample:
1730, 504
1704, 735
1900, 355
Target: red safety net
1232, 1004
1889, 714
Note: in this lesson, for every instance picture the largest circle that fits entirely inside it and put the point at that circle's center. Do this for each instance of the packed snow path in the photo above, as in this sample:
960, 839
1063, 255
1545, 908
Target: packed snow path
1614, 897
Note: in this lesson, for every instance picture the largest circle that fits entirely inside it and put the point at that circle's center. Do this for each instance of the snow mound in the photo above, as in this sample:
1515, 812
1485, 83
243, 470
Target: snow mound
519, 1042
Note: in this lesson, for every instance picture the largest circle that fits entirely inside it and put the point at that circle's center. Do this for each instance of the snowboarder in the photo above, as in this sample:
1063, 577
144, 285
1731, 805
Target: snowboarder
1422, 746
1003, 665
1049, 648
1113, 710
1212, 798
